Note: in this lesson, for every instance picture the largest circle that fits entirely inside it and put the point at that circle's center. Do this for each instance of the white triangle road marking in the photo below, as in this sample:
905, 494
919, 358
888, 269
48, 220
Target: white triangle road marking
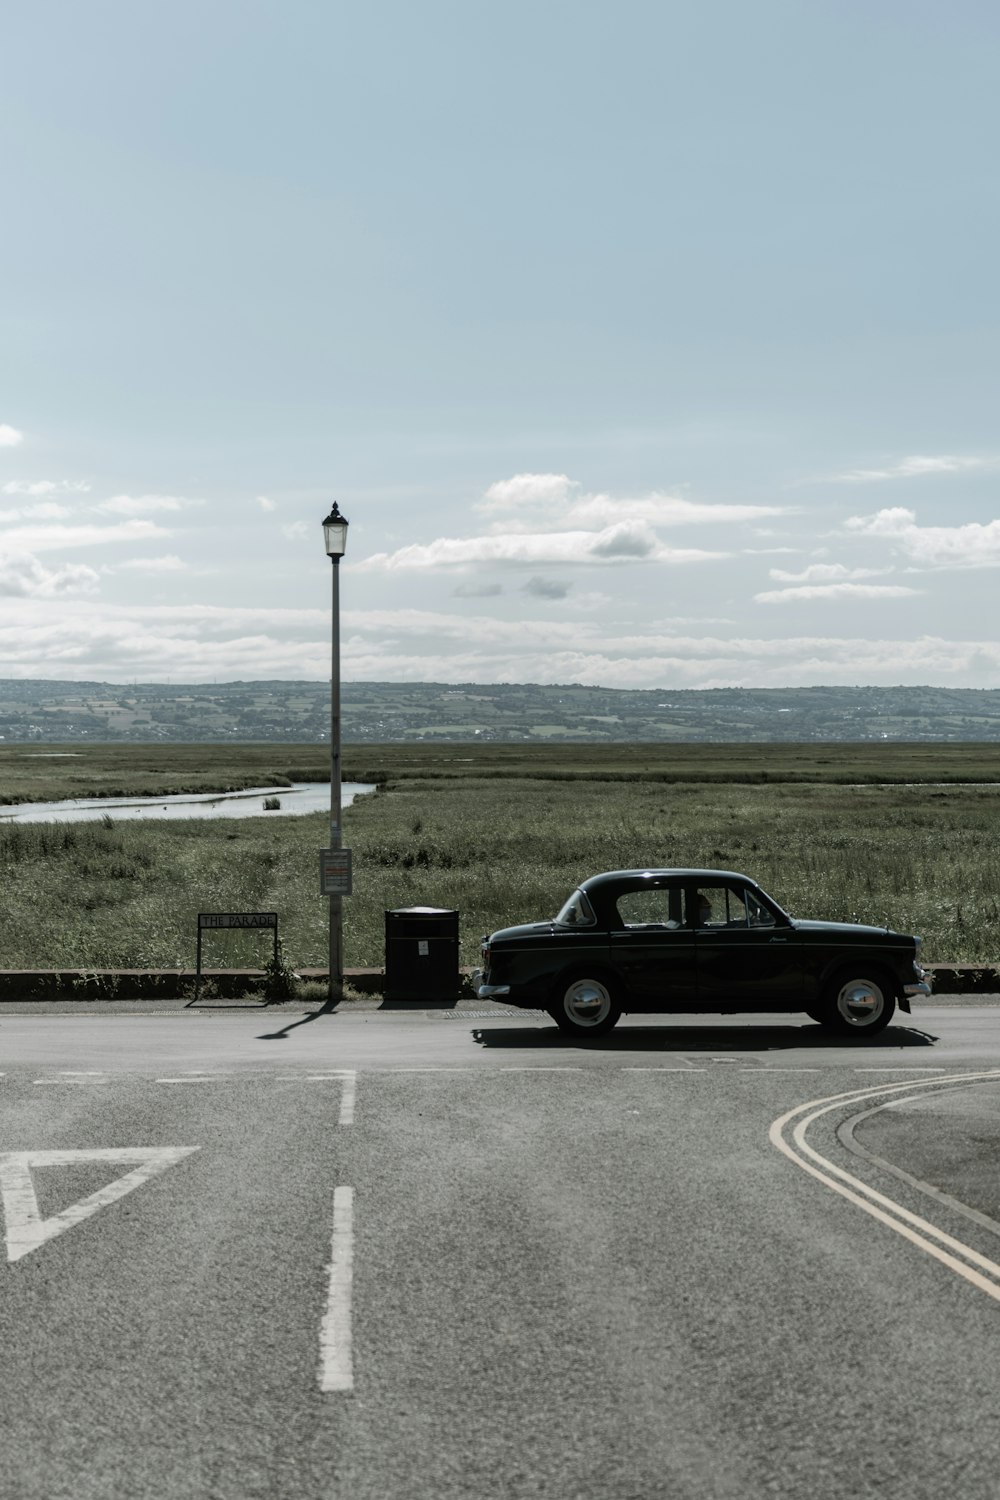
26, 1229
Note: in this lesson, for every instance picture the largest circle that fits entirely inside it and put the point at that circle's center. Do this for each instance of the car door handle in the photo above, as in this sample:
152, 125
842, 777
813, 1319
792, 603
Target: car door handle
778, 940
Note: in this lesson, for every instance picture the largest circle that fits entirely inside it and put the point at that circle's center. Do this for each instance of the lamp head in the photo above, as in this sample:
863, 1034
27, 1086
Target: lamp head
335, 533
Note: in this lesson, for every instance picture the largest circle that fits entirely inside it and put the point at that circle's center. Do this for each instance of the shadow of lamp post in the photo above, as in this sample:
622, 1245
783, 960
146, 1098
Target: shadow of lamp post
335, 536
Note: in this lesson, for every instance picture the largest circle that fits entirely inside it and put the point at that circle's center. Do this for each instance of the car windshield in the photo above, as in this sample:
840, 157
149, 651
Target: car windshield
577, 912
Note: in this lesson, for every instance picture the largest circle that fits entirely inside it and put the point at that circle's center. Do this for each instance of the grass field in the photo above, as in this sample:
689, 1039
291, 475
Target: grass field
501, 834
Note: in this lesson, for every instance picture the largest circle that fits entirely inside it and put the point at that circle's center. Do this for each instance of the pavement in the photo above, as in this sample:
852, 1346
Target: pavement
385, 1254
464, 1006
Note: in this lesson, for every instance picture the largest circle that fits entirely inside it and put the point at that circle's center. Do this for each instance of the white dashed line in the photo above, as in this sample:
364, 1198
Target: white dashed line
213, 1079
336, 1360
902, 1068
345, 1076
346, 1116
569, 1068
665, 1070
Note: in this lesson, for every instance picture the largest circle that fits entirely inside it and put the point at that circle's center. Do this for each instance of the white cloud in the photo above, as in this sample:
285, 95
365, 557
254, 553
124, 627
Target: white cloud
166, 564
895, 522
546, 520
665, 510
45, 487
265, 503
141, 505
827, 573
23, 576
588, 655
295, 530
68, 538
613, 544
9, 436
558, 501
78, 638
528, 491
46, 510
624, 540
973, 545
828, 591
913, 468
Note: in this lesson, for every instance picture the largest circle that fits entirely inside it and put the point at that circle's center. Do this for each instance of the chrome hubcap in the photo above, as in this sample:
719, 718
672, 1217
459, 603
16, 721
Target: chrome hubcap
861, 1002
587, 1002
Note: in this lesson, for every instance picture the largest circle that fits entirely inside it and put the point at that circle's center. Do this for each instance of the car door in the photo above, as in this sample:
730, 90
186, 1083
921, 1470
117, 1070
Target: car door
747, 958
652, 949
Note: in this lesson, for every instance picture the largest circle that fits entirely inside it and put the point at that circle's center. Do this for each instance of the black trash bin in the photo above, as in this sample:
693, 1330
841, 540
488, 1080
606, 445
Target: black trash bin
421, 953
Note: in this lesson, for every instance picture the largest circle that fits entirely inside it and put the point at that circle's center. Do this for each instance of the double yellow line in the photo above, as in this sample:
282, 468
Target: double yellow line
788, 1134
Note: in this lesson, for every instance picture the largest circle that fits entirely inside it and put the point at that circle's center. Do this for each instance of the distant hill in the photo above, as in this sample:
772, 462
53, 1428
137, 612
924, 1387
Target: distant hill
33, 709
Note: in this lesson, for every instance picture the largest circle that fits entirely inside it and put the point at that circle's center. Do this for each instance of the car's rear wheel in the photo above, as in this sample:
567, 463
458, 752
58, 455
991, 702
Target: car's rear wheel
586, 1006
858, 1004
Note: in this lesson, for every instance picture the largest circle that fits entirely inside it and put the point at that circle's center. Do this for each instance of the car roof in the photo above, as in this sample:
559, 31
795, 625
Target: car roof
614, 877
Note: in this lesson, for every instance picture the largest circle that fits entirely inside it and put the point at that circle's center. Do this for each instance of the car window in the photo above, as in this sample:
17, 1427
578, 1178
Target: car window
658, 907
717, 906
577, 912
758, 915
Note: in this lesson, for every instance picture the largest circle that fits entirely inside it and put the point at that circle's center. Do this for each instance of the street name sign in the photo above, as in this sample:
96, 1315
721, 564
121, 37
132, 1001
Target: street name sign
237, 919
215, 921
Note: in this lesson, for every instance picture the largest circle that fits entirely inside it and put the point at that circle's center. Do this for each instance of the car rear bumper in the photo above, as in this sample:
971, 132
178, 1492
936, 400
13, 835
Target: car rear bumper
923, 988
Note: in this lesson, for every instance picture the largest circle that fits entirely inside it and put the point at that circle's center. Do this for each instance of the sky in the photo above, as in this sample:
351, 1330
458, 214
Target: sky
643, 343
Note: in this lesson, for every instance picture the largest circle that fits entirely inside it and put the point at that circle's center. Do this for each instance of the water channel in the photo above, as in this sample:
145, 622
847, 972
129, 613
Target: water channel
301, 797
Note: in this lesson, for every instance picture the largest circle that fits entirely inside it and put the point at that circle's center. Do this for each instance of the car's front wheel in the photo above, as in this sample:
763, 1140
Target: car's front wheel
585, 1006
858, 1005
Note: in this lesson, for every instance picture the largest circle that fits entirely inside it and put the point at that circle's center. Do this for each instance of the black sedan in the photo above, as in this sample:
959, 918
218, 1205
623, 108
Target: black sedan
697, 940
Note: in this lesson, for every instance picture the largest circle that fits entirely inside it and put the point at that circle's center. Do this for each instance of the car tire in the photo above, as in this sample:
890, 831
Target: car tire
858, 1004
586, 1006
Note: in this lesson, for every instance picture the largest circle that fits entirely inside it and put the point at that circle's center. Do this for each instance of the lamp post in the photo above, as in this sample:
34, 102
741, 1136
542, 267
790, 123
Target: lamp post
335, 537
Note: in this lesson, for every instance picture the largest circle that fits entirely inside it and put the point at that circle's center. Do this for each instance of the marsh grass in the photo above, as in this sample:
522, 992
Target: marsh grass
499, 850
29, 773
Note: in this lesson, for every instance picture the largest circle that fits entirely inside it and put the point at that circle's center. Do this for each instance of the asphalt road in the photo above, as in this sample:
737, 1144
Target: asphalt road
379, 1255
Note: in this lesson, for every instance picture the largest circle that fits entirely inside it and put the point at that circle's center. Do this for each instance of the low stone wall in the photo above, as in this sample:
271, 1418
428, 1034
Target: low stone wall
178, 984
965, 979
167, 984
